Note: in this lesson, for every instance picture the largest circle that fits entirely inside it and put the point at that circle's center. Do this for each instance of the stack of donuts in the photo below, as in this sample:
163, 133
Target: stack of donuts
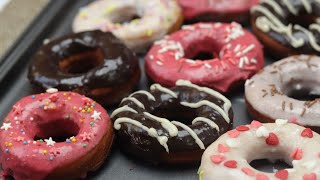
195, 54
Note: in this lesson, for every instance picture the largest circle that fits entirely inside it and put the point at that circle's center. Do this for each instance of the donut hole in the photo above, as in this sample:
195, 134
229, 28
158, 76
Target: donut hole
303, 90
268, 166
181, 114
202, 55
131, 14
82, 62
59, 130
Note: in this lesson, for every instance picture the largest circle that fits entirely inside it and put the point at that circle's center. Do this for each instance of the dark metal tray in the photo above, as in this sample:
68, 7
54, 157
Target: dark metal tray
54, 21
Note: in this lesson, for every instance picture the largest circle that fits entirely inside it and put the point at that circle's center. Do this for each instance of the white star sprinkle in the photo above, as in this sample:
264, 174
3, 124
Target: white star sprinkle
6, 126
50, 142
96, 115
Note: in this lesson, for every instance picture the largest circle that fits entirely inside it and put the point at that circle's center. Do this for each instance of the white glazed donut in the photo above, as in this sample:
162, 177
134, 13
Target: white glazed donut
229, 156
158, 17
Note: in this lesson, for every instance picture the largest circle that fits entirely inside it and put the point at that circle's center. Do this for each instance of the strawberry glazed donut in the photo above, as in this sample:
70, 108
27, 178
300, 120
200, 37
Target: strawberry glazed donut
232, 55
217, 10
54, 135
138, 23
229, 156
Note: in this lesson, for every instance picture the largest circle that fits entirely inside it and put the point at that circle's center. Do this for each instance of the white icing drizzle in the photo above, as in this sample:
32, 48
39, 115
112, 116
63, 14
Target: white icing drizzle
136, 101
122, 109
191, 132
151, 131
165, 123
274, 5
163, 89
227, 102
207, 103
269, 22
149, 95
208, 121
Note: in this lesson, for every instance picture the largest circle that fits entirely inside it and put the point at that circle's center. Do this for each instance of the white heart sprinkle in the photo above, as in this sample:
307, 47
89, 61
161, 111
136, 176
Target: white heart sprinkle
281, 122
262, 132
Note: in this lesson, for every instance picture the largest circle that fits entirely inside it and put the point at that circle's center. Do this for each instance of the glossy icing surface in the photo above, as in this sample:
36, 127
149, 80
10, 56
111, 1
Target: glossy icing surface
193, 9
155, 18
267, 92
114, 63
237, 56
45, 116
229, 156
293, 23
153, 128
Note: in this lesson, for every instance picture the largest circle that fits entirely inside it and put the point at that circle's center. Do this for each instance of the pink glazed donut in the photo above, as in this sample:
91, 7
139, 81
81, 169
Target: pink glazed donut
229, 157
236, 55
217, 10
28, 136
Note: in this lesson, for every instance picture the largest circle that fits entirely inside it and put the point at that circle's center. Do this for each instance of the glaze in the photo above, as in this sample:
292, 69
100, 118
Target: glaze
137, 34
226, 160
85, 123
139, 127
273, 87
238, 56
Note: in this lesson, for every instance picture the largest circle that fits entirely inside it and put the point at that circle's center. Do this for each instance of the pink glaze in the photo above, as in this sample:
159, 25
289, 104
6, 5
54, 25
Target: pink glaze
25, 158
238, 56
193, 9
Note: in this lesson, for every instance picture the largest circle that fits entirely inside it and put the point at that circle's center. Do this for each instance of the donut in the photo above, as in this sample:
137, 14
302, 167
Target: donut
199, 116
230, 155
230, 55
92, 63
137, 23
278, 91
287, 27
217, 10
54, 135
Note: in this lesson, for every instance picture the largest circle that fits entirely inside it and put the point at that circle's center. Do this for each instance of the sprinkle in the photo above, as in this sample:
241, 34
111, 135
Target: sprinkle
242, 128
247, 171
85, 136
44, 152
217, 159
68, 140
96, 115
31, 118
231, 164
262, 132
233, 133
52, 90
50, 158
272, 140
91, 123
311, 176
281, 122
282, 174
84, 145
40, 140
25, 142
50, 142
8, 120
223, 149
149, 32
73, 139
255, 124
7, 150
151, 57
33, 96
207, 65
296, 154
6, 126
261, 176
249, 48
10, 144
307, 133
188, 27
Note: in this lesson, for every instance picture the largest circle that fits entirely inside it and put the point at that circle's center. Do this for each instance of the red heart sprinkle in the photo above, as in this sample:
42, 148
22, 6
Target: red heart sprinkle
53, 97
248, 171
256, 124
217, 159
307, 133
260, 176
282, 174
242, 128
296, 154
233, 133
231, 164
223, 149
272, 140
311, 176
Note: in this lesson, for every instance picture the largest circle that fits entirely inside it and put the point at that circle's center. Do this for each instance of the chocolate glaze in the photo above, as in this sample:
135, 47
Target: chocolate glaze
182, 148
91, 63
302, 18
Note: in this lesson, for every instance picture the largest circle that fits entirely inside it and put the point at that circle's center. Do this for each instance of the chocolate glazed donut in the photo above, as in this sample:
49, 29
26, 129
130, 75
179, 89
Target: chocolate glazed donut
92, 63
199, 116
288, 27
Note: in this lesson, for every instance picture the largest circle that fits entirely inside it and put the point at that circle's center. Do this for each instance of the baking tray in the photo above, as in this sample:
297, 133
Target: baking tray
55, 20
